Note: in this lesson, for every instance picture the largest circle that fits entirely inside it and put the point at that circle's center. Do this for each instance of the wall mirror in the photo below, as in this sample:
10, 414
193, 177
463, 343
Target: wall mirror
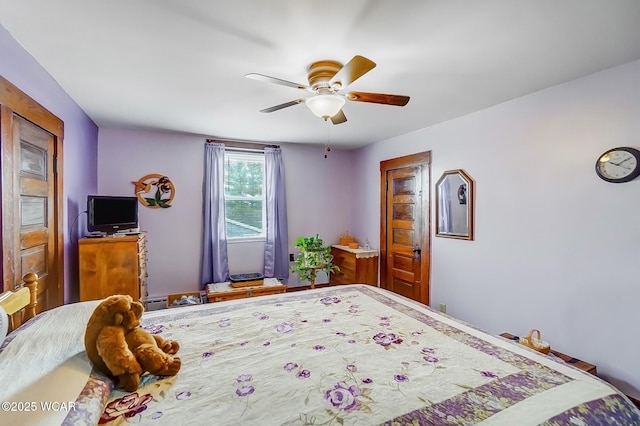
454, 205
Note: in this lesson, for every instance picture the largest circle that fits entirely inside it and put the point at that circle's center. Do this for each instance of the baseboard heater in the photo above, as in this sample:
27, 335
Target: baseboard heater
156, 303
160, 302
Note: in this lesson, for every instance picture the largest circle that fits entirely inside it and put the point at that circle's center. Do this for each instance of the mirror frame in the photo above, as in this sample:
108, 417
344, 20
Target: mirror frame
468, 199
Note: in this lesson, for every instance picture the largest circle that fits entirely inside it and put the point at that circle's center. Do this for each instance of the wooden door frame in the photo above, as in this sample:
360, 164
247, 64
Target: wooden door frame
15, 101
419, 159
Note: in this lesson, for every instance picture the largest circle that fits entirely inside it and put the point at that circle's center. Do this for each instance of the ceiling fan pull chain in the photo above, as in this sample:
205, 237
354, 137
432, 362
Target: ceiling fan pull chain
327, 148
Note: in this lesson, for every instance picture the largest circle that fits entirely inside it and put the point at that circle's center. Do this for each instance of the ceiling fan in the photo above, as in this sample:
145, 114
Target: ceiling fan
326, 79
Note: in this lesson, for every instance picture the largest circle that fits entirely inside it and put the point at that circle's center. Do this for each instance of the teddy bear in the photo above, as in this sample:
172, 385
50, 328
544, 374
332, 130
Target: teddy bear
120, 348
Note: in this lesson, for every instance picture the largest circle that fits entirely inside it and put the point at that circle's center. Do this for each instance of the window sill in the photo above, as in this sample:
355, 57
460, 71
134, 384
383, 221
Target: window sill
246, 240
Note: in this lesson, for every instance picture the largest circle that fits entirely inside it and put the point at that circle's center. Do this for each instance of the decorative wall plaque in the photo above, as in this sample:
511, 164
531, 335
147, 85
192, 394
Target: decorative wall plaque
155, 191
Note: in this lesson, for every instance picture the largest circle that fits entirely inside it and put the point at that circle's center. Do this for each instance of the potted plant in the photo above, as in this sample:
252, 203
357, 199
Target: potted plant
314, 256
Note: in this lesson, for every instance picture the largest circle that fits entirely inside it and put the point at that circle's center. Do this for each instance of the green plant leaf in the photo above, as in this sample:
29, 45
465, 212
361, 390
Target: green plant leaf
151, 201
314, 256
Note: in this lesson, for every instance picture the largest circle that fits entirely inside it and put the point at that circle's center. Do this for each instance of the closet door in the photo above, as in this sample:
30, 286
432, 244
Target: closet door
31, 139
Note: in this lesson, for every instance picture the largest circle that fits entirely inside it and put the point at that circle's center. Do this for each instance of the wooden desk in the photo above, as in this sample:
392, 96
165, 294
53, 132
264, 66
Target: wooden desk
219, 292
582, 365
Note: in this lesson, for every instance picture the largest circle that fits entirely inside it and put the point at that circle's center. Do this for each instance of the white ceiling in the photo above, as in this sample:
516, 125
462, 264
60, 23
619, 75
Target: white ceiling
179, 65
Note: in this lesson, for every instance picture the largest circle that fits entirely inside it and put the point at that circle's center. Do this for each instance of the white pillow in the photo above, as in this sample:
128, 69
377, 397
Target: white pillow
4, 324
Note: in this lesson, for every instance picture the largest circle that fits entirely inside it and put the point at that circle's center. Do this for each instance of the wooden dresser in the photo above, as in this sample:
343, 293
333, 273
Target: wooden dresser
358, 266
113, 265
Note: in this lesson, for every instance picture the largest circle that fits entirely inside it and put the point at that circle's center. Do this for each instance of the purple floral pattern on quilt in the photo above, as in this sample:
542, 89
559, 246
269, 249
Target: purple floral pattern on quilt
343, 397
320, 357
386, 339
126, 407
154, 328
89, 405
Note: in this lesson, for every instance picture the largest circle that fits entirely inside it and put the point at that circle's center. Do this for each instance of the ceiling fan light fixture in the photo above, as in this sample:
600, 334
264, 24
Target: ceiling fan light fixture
325, 106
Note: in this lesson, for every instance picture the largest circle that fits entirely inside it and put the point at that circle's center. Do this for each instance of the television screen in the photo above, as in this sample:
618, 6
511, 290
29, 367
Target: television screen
111, 214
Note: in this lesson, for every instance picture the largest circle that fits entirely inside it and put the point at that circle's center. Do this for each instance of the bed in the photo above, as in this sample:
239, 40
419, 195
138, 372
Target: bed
344, 355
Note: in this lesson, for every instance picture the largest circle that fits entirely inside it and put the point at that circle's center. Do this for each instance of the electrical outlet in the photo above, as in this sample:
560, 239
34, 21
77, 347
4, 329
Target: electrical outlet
443, 308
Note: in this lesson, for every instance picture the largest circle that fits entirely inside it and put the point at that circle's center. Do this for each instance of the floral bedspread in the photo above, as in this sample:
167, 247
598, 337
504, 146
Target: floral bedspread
354, 355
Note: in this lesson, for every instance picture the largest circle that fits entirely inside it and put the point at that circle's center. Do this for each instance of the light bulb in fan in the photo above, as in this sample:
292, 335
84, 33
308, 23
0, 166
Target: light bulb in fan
325, 106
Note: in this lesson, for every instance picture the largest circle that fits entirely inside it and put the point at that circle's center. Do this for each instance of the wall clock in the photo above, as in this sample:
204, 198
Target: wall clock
619, 165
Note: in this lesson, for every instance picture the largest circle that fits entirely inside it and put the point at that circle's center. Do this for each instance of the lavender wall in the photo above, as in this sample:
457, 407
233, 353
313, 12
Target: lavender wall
80, 144
318, 192
556, 247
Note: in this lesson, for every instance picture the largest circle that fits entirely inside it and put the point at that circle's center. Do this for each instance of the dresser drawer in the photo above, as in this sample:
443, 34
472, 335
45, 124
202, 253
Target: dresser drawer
343, 276
223, 291
343, 259
354, 269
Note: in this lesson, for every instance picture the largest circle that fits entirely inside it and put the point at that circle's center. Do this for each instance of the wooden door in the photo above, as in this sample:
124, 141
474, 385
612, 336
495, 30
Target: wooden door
405, 229
31, 141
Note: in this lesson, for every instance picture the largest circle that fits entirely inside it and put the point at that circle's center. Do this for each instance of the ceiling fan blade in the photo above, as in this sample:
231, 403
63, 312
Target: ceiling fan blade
378, 98
284, 105
353, 70
339, 118
268, 79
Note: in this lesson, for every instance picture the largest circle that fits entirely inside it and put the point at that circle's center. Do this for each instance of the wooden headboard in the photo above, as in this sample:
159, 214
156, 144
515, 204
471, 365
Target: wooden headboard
20, 303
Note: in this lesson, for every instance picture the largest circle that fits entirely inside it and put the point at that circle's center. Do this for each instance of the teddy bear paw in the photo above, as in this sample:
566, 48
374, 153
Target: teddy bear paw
167, 346
129, 382
171, 367
170, 347
173, 347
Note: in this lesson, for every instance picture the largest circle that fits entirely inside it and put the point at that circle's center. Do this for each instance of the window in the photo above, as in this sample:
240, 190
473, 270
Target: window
244, 194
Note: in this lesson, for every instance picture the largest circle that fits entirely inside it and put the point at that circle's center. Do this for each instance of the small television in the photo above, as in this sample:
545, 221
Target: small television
110, 214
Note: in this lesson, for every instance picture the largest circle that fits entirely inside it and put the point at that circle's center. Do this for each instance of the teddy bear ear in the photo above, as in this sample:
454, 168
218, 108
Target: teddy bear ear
137, 307
121, 304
